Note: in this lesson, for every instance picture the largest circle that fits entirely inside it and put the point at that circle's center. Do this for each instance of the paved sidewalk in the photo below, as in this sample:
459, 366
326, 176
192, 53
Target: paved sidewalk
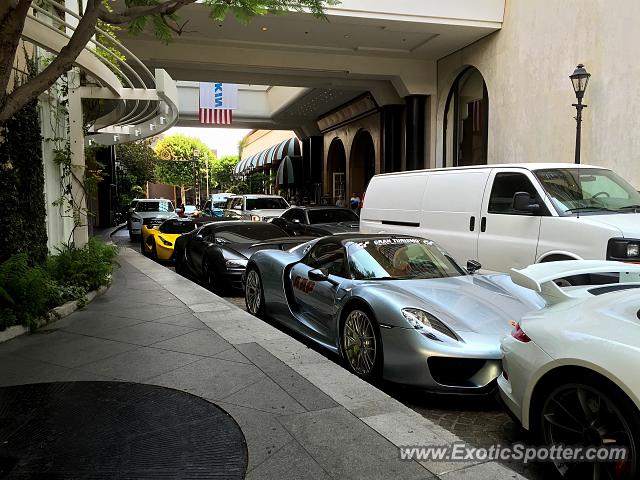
302, 415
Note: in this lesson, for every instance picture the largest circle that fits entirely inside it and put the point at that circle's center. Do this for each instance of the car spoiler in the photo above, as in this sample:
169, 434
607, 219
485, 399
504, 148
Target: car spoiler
541, 277
284, 241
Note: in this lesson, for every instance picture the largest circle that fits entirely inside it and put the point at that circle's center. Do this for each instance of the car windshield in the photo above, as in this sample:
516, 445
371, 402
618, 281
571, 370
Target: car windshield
190, 209
219, 203
157, 206
255, 232
400, 258
266, 203
332, 216
593, 190
177, 227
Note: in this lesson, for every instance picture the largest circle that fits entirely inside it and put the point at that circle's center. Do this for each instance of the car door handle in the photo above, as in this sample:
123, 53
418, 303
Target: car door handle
483, 224
472, 224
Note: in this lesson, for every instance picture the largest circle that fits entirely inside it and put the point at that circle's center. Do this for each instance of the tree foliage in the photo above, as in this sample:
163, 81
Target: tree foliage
222, 172
138, 159
158, 16
177, 156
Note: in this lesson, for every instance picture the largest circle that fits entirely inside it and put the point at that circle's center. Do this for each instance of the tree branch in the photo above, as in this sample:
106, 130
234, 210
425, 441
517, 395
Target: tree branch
131, 13
13, 14
60, 65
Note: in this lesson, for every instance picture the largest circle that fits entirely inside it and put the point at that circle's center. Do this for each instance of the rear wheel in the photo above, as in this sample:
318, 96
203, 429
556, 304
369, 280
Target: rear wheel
254, 293
592, 413
361, 344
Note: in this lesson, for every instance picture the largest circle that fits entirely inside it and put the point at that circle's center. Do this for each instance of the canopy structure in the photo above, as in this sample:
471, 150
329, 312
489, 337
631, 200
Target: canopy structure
269, 157
289, 171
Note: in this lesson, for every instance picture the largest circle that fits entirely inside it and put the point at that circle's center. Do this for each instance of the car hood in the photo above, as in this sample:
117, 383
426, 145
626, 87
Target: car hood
472, 303
267, 212
627, 223
338, 227
155, 214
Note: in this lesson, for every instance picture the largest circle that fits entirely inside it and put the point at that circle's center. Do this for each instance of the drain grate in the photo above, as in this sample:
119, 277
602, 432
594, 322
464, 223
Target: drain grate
106, 430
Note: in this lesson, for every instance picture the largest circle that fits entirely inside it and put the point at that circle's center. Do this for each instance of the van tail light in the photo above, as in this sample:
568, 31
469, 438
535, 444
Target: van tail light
362, 200
519, 334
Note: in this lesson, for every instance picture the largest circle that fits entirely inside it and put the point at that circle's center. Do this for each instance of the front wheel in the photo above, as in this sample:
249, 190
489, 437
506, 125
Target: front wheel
361, 344
592, 414
254, 293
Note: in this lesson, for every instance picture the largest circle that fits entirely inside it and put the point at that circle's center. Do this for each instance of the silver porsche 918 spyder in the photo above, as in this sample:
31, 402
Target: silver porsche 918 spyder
396, 307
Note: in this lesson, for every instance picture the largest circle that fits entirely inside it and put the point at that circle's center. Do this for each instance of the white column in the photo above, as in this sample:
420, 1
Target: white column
76, 139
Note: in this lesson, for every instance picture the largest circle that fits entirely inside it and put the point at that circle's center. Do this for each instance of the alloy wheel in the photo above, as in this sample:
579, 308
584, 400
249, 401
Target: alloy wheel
577, 414
253, 293
359, 343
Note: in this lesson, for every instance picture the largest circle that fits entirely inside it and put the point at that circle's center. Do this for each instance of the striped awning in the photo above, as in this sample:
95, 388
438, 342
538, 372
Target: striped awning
268, 157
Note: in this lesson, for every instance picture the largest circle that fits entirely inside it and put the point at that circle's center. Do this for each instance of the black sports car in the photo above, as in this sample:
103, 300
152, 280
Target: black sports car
217, 253
318, 221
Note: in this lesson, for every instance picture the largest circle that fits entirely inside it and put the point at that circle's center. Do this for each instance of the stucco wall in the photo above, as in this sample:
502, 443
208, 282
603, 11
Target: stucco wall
526, 67
260, 140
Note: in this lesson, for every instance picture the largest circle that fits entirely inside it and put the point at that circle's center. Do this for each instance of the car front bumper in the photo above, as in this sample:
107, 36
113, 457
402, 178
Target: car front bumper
413, 359
233, 278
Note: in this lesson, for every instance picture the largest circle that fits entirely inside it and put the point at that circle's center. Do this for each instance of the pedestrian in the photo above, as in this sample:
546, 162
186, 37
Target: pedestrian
340, 202
354, 201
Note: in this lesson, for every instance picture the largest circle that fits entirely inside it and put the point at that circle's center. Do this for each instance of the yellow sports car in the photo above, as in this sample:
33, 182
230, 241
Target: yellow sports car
157, 241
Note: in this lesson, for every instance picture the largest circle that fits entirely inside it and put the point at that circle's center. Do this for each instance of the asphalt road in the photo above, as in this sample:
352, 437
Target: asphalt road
480, 421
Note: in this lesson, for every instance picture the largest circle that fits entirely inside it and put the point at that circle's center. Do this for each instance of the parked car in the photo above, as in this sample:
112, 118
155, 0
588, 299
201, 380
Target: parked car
217, 253
318, 221
511, 215
256, 207
158, 241
570, 370
152, 212
216, 204
130, 209
392, 306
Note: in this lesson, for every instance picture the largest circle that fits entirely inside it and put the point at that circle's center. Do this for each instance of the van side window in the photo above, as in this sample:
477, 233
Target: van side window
505, 186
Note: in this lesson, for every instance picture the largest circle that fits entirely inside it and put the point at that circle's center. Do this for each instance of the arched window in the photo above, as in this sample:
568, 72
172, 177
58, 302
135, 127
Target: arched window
466, 121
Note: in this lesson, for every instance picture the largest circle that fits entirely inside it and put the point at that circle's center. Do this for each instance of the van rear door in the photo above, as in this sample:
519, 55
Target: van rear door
451, 210
508, 238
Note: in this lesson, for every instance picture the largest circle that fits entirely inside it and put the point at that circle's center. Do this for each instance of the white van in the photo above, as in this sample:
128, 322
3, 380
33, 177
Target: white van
508, 216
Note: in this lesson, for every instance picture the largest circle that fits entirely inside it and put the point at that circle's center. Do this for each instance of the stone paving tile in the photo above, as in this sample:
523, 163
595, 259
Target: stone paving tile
140, 364
490, 470
307, 394
265, 436
211, 307
266, 395
199, 342
182, 320
147, 313
233, 355
73, 350
210, 378
144, 334
347, 448
291, 462
92, 323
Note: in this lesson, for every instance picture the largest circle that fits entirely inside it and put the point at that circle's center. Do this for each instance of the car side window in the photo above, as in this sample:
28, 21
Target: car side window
298, 215
288, 215
237, 204
329, 257
505, 186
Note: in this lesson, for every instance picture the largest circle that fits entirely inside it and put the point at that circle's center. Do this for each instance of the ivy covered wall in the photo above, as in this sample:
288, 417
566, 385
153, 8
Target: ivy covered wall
22, 201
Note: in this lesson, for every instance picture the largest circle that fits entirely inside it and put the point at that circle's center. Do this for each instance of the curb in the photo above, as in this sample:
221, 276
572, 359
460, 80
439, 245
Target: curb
54, 314
392, 420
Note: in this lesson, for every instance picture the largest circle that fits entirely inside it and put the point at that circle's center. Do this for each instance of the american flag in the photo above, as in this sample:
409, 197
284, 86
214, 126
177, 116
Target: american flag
217, 102
216, 116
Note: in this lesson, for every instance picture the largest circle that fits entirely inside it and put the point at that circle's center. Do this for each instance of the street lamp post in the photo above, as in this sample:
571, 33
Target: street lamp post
579, 80
196, 176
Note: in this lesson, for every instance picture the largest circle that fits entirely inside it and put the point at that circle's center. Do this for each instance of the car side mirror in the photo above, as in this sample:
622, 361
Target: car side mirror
317, 275
473, 266
522, 202
295, 220
198, 238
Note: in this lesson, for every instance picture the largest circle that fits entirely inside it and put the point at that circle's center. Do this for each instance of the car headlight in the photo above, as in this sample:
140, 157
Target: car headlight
255, 218
165, 242
622, 249
420, 319
236, 263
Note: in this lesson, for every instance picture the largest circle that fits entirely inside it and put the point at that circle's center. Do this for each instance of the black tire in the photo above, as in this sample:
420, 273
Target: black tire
154, 251
210, 276
254, 293
358, 355
180, 267
601, 408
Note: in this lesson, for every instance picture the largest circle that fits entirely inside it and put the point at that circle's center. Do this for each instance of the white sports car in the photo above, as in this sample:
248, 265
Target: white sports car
570, 370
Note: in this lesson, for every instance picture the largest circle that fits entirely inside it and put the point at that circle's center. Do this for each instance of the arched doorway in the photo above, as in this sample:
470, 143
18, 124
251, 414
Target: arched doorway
362, 162
466, 121
336, 171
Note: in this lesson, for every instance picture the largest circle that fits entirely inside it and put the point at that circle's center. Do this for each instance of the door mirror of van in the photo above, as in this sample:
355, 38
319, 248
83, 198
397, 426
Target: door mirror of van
522, 202
473, 266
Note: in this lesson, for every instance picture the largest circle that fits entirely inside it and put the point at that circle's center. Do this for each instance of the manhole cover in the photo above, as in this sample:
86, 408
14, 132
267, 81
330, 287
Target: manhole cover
113, 430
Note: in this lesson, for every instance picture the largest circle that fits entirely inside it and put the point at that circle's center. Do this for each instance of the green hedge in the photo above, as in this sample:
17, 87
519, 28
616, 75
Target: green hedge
28, 292
22, 187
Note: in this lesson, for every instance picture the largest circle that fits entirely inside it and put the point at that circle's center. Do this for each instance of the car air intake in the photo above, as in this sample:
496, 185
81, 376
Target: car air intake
454, 371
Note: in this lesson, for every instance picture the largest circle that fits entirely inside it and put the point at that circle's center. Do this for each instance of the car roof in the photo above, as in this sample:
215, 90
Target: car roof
154, 200
257, 195
349, 237
320, 207
524, 166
